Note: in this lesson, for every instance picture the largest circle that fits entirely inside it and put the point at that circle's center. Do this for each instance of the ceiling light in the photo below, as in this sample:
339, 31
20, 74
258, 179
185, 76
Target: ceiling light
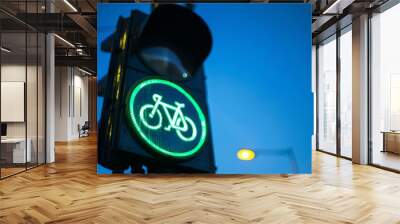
337, 7
245, 154
84, 71
65, 41
80, 51
5, 50
70, 5
326, 11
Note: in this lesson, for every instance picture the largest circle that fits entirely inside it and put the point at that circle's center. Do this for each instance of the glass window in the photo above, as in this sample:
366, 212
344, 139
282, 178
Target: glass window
385, 88
22, 91
14, 153
346, 92
327, 95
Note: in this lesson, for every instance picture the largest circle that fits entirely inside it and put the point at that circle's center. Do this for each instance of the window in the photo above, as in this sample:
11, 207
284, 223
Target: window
346, 92
22, 92
327, 95
385, 89
334, 106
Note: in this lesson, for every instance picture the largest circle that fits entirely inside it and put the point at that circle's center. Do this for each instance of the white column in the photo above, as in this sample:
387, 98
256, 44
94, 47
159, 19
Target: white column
50, 93
63, 83
360, 90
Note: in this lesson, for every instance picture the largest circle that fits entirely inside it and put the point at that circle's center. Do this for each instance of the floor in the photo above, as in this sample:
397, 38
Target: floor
10, 171
70, 191
5, 172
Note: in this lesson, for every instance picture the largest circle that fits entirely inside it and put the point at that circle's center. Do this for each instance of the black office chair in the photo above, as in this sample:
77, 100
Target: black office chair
84, 130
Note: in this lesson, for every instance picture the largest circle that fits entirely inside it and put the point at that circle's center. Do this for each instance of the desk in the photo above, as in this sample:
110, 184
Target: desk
391, 141
16, 147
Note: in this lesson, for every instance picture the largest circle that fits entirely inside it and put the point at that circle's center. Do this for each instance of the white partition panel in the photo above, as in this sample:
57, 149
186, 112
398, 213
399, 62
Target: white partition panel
12, 101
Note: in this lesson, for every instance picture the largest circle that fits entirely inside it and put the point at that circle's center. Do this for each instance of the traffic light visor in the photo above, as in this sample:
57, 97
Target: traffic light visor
175, 42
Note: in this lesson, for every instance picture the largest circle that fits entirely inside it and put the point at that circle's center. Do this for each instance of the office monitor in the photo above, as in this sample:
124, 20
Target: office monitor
3, 129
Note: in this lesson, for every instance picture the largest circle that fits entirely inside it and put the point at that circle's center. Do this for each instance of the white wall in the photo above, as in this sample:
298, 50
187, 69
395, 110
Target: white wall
62, 82
71, 102
33, 127
80, 102
16, 72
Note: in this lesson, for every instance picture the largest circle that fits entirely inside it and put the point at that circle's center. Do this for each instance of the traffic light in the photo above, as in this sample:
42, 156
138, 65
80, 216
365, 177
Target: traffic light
155, 112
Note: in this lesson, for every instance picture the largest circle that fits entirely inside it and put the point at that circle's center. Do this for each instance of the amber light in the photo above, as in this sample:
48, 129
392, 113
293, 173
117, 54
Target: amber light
245, 154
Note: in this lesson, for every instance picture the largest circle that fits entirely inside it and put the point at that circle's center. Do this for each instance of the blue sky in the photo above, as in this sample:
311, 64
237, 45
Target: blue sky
258, 82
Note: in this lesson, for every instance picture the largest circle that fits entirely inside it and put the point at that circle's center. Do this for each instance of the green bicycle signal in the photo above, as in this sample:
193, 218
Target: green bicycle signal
166, 118
177, 121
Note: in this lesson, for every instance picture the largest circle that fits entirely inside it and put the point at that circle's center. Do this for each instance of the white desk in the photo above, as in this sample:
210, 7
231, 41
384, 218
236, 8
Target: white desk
18, 149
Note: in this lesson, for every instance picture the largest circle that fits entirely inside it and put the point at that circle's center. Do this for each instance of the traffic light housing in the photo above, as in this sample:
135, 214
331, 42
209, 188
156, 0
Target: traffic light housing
155, 110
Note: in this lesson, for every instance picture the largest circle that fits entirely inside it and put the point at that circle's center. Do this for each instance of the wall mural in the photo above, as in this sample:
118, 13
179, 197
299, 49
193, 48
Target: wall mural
204, 88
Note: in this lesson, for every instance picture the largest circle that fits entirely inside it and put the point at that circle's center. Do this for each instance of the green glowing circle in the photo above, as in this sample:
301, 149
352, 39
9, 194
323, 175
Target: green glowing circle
139, 115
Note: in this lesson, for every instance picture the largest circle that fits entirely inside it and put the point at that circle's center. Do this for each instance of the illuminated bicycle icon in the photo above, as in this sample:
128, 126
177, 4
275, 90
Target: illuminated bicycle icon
151, 117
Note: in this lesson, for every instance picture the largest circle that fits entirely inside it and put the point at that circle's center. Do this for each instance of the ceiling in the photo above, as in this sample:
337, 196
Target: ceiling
332, 15
72, 20
15, 42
